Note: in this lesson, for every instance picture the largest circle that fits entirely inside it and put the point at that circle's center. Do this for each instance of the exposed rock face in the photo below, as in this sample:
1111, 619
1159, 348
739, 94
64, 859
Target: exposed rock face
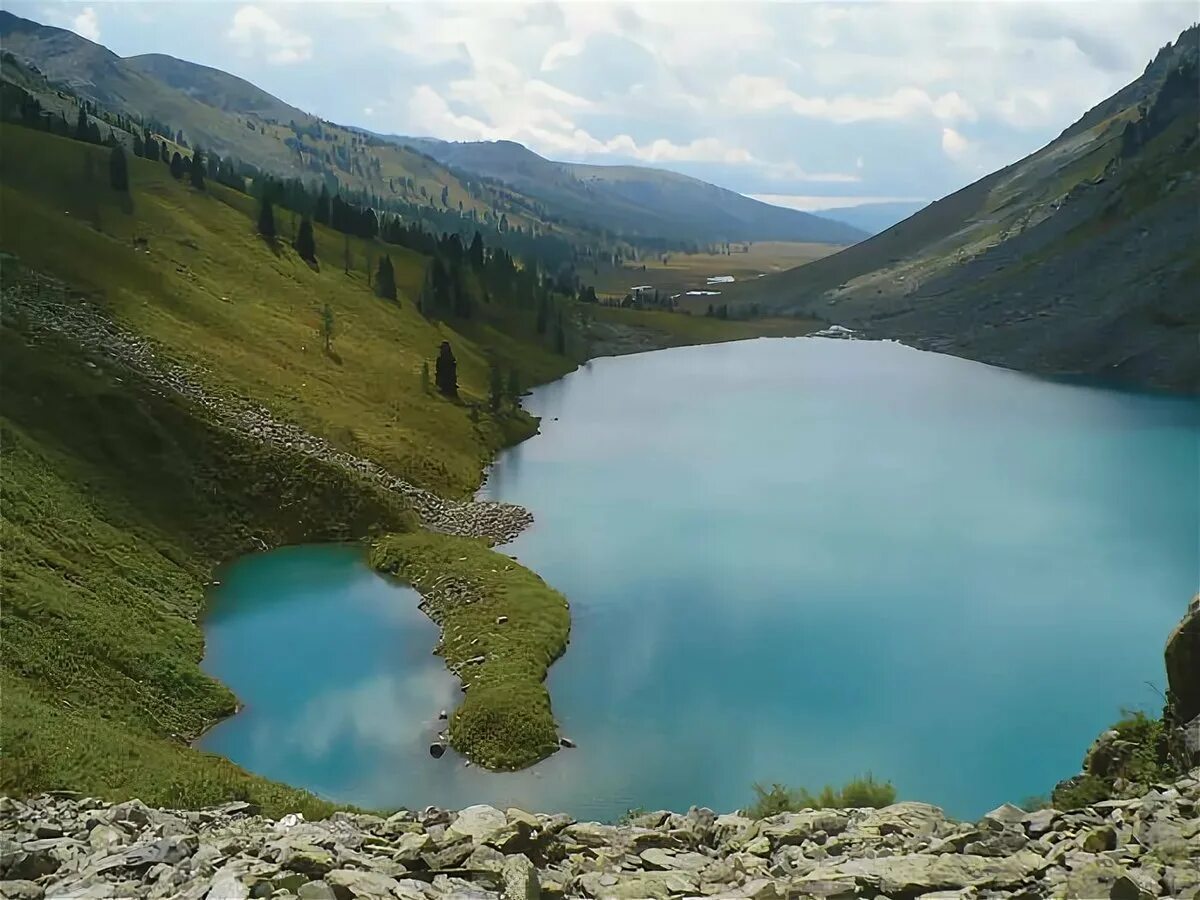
1183, 665
64, 845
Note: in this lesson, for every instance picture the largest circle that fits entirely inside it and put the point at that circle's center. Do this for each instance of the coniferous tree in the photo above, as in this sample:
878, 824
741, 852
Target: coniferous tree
306, 244
266, 219
197, 168
513, 389
139, 147
476, 252
446, 371
385, 279
543, 314
81, 125
165, 151
118, 170
560, 336
495, 388
321, 214
177, 167
327, 327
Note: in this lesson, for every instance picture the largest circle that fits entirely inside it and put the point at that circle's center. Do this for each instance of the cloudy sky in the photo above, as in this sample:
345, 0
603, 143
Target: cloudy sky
812, 104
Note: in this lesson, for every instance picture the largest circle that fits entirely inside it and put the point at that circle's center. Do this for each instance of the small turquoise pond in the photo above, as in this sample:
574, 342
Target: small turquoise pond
788, 560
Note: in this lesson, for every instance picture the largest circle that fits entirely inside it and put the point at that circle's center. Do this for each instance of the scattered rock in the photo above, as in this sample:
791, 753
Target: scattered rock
437, 749
1141, 848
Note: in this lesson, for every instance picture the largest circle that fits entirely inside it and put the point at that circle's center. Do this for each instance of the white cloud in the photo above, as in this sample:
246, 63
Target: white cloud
86, 24
954, 145
761, 93
896, 98
256, 31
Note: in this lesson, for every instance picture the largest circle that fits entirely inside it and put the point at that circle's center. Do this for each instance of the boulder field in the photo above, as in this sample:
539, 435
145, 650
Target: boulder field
66, 845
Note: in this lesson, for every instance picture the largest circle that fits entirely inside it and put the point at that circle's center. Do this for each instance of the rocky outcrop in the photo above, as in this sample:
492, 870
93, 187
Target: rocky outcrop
1182, 657
47, 305
65, 845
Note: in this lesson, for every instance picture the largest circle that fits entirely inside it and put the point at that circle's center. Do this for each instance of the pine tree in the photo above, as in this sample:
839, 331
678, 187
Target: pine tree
266, 219
445, 196
495, 388
165, 151
177, 167
81, 125
385, 279
475, 254
321, 214
118, 170
327, 327
197, 169
306, 244
514, 388
446, 371
560, 336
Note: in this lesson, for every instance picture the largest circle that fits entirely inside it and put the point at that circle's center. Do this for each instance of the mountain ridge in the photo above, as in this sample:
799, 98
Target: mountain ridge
235, 117
580, 186
1078, 259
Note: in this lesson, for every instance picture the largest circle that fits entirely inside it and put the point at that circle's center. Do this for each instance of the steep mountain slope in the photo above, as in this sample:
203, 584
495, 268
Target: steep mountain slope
634, 199
1081, 258
233, 117
96, 73
216, 88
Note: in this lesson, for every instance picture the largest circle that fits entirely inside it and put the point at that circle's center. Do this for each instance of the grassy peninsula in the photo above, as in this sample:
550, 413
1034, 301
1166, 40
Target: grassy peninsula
121, 495
502, 627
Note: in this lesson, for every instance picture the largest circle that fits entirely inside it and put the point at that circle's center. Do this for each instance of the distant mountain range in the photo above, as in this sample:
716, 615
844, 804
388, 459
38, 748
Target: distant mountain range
633, 199
873, 217
233, 117
1083, 257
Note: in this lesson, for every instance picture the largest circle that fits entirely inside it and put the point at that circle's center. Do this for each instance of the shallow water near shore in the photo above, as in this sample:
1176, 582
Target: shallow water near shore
788, 560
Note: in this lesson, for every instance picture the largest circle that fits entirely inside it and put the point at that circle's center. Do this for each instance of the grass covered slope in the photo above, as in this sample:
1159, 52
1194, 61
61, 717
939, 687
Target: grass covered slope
210, 290
117, 501
502, 627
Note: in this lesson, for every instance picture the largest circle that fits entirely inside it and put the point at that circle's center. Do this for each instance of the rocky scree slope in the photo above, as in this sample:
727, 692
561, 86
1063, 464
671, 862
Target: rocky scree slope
48, 305
65, 845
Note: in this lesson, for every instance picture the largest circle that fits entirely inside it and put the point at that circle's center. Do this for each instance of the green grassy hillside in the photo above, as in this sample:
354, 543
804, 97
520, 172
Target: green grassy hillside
120, 497
117, 501
215, 294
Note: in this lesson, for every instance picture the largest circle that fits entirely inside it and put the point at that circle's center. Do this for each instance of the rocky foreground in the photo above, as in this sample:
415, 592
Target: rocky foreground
65, 845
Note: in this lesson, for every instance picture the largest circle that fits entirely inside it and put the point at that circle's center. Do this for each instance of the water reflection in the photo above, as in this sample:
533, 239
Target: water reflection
787, 560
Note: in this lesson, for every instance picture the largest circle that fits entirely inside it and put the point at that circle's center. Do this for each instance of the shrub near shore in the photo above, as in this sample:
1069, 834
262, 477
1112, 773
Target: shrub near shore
502, 627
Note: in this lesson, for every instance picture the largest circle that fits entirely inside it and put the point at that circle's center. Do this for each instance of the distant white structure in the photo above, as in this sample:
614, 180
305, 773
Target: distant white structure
720, 279
836, 331
704, 293
641, 288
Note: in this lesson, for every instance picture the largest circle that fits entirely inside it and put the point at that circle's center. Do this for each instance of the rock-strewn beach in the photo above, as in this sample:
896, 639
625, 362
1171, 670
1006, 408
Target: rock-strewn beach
65, 845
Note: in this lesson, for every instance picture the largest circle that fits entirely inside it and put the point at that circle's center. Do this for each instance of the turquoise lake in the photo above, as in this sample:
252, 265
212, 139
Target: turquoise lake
790, 560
